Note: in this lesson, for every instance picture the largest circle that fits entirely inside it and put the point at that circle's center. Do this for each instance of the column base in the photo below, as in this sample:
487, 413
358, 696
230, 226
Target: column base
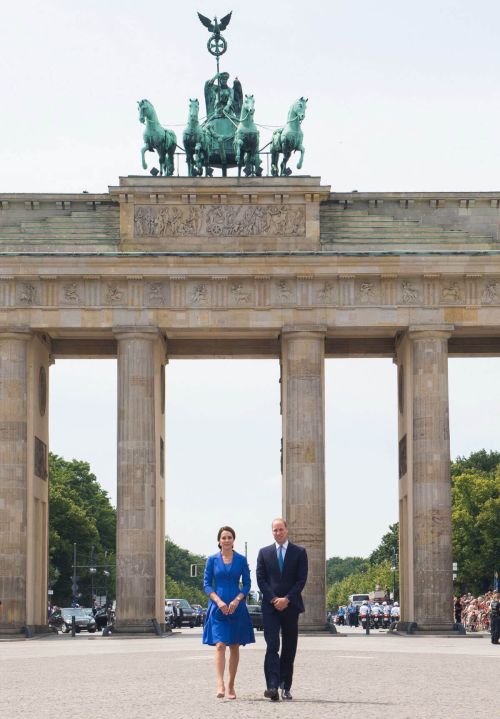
26, 630
314, 629
140, 627
428, 630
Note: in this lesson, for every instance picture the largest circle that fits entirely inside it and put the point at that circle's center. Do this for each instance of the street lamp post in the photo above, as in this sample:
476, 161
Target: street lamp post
394, 567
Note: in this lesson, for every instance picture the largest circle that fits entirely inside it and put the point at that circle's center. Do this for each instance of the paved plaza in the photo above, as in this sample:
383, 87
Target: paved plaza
150, 678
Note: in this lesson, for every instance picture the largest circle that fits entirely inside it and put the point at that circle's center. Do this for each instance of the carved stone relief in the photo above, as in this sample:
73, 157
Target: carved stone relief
27, 294
113, 294
490, 293
451, 292
342, 291
71, 294
155, 295
239, 293
218, 221
410, 293
199, 294
325, 294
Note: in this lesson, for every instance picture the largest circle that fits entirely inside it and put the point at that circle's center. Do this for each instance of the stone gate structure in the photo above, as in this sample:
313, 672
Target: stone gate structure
162, 268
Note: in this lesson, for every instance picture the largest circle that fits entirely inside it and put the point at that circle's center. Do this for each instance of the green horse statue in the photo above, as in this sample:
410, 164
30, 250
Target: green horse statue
157, 138
193, 139
246, 141
289, 139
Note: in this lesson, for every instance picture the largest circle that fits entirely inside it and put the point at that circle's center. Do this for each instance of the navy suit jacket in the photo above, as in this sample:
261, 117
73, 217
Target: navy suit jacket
289, 583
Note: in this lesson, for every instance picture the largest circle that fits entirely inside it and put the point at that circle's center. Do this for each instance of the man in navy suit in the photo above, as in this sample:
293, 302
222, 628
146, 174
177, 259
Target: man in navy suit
281, 576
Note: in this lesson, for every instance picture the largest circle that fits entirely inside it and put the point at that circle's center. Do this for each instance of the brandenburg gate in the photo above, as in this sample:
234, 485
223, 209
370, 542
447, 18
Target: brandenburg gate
258, 267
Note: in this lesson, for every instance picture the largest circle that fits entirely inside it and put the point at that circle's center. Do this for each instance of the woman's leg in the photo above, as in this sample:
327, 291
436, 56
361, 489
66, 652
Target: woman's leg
234, 658
220, 663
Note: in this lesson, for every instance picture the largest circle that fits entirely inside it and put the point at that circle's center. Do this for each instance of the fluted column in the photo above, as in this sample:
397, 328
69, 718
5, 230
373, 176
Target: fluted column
425, 487
13, 478
303, 413
140, 582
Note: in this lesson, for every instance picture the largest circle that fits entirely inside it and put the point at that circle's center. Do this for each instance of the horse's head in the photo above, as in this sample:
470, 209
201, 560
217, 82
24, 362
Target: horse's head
194, 108
145, 110
298, 109
248, 106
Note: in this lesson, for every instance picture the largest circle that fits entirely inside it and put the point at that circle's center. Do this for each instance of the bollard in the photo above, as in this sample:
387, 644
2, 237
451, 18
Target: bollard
156, 627
367, 629
73, 626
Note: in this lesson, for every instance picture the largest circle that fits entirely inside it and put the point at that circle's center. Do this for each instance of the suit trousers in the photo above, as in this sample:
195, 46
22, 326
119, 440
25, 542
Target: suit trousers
278, 668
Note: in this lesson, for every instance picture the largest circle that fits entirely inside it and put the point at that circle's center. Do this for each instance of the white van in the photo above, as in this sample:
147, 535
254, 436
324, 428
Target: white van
358, 599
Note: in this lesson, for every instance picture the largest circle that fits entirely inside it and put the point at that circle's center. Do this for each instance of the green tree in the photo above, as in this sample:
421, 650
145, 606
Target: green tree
361, 582
475, 527
79, 512
388, 547
481, 461
178, 581
338, 568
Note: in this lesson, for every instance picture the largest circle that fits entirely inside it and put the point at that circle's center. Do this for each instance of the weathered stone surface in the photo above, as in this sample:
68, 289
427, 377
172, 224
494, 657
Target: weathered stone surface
303, 412
221, 267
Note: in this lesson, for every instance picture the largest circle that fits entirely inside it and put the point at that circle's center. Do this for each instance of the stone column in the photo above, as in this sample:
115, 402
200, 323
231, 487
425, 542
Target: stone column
303, 412
13, 478
140, 581
425, 487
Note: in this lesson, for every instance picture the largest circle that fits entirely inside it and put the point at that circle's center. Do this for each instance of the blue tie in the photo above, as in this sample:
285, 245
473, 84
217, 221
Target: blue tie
280, 558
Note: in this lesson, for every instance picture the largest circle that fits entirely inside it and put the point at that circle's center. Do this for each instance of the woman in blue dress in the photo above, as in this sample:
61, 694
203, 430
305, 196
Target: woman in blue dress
228, 622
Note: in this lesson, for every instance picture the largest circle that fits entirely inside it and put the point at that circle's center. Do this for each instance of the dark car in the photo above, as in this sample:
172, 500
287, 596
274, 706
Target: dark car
255, 611
189, 617
61, 619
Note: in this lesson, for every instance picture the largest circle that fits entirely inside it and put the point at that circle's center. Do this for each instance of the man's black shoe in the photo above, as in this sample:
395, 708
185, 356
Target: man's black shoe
272, 694
285, 695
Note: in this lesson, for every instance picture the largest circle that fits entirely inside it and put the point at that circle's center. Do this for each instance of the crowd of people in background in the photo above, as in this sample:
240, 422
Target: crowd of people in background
474, 612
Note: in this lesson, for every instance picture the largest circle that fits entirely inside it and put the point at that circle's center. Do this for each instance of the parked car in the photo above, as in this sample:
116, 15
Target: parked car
61, 619
255, 611
189, 614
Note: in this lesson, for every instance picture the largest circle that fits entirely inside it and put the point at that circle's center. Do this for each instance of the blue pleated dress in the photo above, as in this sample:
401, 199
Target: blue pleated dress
224, 580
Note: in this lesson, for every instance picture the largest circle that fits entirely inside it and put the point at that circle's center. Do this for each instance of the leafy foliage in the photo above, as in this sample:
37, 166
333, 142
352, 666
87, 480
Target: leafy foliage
475, 484
476, 522
338, 568
179, 583
481, 461
79, 512
388, 547
361, 582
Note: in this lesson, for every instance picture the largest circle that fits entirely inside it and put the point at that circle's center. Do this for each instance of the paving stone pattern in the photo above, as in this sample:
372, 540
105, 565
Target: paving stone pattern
345, 677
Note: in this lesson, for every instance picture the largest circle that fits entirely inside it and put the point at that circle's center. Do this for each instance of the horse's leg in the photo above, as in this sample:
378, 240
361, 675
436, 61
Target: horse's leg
285, 171
238, 142
143, 152
169, 162
302, 150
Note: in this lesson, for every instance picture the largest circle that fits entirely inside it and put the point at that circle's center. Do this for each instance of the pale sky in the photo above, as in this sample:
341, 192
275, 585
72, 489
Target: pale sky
402, 96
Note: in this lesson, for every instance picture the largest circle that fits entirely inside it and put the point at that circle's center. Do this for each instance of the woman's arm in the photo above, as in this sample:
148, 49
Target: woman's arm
208, 580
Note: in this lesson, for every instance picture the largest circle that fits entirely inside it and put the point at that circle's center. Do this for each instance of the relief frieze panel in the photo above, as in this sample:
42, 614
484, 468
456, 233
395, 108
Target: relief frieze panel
219, 221
247, 292
71, 293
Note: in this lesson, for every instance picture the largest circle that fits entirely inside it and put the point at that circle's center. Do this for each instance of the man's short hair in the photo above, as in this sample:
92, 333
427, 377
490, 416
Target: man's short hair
279, 519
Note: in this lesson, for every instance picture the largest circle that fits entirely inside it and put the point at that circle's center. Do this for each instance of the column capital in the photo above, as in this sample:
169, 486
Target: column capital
442, 331
141, 332
303, 331
16, 332
147, 332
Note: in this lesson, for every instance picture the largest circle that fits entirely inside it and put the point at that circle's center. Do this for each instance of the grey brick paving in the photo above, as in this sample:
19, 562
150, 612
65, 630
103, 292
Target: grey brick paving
347, 677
